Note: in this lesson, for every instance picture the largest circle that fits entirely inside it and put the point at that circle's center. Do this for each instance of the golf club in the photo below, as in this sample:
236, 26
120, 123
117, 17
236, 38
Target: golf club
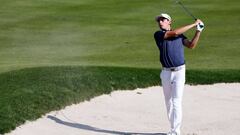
187, 11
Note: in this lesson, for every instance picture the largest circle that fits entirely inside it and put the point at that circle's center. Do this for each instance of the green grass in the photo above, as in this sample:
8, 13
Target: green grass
57, 52
111, 33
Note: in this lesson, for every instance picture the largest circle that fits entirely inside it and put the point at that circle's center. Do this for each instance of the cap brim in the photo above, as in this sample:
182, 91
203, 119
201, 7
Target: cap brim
158, 17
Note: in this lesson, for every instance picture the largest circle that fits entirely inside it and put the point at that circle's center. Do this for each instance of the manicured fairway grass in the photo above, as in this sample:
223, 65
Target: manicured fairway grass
112, 33
57, 52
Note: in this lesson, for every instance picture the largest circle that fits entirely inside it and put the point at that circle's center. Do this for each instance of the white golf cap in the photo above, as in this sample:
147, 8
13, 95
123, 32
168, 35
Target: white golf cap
164, 15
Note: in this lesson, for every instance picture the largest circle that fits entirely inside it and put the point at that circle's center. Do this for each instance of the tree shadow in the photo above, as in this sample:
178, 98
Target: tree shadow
90, 128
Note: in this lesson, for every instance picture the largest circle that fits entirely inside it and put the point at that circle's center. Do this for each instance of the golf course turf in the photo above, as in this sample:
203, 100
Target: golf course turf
57, 52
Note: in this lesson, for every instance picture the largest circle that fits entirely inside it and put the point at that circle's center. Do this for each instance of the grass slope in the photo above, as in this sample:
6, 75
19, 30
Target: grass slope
29, 93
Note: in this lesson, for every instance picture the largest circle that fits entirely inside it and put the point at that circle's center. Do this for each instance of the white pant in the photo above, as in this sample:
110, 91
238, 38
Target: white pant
173, 86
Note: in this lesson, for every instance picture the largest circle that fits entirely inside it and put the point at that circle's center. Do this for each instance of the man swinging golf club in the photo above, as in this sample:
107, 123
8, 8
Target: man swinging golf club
171, 44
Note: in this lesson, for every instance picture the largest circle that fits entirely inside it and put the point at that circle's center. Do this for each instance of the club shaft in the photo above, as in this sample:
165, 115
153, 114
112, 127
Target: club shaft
186, 10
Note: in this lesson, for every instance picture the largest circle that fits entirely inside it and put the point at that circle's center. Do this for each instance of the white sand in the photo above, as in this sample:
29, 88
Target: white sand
208, 110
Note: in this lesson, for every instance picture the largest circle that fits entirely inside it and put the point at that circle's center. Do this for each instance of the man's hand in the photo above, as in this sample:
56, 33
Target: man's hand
197, 21
200, 26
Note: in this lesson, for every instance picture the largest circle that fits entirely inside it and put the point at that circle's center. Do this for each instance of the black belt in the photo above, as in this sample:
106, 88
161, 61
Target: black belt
174, 68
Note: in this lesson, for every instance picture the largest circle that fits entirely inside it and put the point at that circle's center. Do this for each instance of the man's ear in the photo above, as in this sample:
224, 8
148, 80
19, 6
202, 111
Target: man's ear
170, 22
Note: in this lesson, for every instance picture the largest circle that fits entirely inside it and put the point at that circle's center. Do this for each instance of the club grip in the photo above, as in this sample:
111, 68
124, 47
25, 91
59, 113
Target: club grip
201, 26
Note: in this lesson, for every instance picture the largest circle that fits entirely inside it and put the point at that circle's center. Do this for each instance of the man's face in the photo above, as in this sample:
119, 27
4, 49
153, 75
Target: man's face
164, 23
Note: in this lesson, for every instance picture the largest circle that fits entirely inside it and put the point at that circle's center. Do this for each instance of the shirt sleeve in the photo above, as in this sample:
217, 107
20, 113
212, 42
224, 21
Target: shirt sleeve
183, 38
159, 35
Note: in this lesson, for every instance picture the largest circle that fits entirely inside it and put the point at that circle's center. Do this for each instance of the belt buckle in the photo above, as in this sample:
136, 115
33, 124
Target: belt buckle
172, 69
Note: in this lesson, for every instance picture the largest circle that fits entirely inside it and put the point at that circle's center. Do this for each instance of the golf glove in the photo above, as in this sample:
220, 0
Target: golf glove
200, 26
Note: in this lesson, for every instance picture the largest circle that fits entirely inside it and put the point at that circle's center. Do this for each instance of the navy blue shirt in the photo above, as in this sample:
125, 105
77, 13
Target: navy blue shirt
171, 49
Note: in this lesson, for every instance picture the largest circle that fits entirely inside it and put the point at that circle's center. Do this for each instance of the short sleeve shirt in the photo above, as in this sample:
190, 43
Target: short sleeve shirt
171, 49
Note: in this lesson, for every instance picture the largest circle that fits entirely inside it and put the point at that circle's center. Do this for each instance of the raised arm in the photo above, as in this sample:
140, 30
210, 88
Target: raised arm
193, 43
181, 30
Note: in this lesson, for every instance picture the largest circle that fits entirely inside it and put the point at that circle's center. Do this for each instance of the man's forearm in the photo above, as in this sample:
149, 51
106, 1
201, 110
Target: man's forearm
183, 29
195, 39
179, 31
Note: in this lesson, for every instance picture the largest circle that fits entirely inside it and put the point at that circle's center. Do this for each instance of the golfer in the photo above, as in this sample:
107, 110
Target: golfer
171, 44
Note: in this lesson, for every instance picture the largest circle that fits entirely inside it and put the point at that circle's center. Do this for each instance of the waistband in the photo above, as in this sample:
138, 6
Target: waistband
174, 68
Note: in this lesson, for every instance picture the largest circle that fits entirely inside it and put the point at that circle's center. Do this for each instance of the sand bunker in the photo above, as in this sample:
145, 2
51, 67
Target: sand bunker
207, 110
